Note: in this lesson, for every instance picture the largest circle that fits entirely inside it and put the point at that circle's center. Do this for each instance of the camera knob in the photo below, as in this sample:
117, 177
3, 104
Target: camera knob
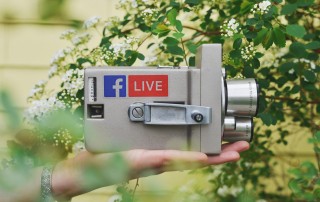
197, 117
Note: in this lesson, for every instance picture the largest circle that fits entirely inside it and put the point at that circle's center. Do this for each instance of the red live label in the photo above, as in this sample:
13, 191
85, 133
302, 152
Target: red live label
148, 85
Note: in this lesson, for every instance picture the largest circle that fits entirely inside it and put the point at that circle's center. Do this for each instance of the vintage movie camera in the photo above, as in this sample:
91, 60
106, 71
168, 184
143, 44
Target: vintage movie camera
184, 108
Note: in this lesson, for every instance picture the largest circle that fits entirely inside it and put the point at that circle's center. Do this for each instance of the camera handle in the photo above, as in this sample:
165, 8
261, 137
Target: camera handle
169, 114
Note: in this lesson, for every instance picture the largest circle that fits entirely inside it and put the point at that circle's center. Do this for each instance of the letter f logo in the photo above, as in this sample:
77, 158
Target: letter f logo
115, 86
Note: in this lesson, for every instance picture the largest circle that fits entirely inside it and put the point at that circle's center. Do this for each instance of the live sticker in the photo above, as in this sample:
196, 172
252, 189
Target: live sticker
148, 85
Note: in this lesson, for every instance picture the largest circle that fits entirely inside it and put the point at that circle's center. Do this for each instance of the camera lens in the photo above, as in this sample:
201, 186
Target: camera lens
242, 97
242, 131
229, 123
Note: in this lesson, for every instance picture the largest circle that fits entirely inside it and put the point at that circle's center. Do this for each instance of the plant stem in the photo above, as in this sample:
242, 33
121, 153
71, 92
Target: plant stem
135, 188
202, 32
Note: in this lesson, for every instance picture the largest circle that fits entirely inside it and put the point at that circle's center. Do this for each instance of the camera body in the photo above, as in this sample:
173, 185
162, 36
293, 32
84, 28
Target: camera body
183, 108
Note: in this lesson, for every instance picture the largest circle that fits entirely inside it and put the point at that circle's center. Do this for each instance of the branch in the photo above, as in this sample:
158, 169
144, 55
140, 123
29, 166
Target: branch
203, 32
291, 99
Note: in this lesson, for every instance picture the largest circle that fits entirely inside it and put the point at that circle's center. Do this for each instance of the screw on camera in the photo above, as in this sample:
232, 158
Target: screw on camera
137, 112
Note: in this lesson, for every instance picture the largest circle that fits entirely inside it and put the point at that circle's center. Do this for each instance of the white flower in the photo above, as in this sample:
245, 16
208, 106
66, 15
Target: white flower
132, 40
291, 71
68, 34
125, 3
115, 198
262, 7
58, 57
120, 48
42, 108
38, 88
73, 81
92, 22
233, 190
248, 52
81, 39
149, 15
150, 60
134, 4
230, 28
112, 22
53, 71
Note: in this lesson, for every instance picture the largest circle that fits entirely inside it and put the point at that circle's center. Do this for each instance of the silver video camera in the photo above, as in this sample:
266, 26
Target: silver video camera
184, 108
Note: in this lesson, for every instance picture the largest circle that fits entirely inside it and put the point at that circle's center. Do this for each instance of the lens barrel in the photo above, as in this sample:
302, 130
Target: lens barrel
229, 123
242, 97
241, 105
243, 130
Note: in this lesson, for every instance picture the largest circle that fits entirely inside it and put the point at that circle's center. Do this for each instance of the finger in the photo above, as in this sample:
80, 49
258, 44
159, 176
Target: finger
239, 146
148, 159
224, 157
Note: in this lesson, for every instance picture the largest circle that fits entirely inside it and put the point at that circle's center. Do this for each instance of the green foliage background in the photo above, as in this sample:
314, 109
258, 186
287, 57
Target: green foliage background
278, 45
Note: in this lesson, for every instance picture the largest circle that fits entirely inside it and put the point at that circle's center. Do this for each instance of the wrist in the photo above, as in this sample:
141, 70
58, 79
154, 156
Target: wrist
64, 183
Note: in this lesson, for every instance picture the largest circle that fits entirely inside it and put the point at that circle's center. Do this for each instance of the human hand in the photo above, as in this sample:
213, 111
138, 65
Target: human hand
89, 171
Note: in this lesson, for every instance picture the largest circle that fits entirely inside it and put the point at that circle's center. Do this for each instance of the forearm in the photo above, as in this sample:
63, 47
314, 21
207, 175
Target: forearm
79, 175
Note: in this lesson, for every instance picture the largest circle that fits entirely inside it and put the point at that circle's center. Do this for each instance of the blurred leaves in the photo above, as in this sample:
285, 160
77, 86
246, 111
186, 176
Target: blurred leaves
12, 115
296, 30
51, 9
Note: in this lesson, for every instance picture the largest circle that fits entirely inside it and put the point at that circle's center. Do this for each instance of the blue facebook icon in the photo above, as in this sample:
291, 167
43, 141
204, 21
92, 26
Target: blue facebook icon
115, 86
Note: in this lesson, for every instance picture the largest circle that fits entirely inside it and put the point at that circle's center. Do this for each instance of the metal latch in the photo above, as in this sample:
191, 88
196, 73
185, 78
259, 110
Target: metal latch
169, 114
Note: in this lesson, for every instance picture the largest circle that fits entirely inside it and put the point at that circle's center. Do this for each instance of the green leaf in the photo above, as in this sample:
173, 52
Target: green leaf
313, 45
172, 16
245, 7
237, 43
317, 135
192, 61
288, 9
193, 2
279, 37
294, 186
309, 75
178, 35
310, 170
175, 50
12, 114
266, 118
296, 30
298, 49
248, 71
312, 56
141, 56
151, 44
305, 3
105, 42
296, 172
268, 40
161, 28
251, 21
131, 57
192, 47
179, 26
83, 60
259, 55
261, 35
170, 41
295, 90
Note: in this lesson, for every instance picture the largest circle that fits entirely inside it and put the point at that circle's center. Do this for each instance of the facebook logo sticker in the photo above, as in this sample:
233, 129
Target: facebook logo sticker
115, 86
